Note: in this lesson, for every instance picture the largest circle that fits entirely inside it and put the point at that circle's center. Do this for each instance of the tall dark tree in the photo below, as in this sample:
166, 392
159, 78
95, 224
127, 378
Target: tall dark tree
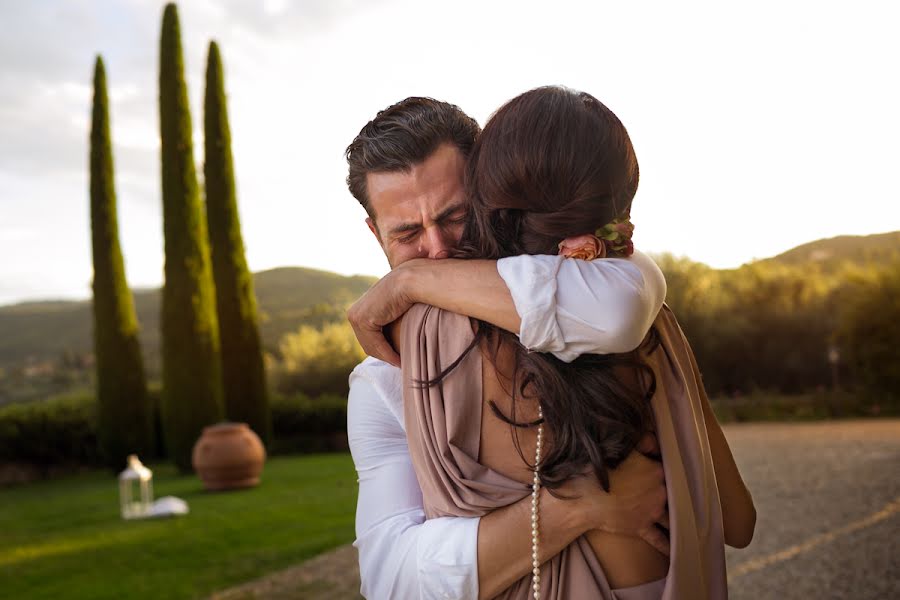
244, 377
192, 370
125, 423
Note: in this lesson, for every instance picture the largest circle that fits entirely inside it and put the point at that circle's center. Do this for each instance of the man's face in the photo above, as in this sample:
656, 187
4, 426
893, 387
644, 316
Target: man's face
420, 213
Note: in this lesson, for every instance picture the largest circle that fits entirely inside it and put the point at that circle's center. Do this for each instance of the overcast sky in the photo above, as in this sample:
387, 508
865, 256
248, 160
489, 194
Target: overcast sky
757, 127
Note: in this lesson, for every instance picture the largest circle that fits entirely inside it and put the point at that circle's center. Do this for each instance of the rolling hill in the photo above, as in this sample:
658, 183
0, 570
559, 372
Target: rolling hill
288, 297
832, 253
291, 296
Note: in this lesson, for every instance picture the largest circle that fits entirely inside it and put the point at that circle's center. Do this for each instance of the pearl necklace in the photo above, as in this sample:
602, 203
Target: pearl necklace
535, 489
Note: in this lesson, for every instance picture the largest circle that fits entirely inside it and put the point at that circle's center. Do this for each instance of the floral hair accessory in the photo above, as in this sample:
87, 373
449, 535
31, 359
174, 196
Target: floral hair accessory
617, 236
613, 239
585, 247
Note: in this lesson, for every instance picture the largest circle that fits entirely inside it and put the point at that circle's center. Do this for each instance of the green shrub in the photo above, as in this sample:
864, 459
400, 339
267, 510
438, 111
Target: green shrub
317, 362
63, 430
303, 424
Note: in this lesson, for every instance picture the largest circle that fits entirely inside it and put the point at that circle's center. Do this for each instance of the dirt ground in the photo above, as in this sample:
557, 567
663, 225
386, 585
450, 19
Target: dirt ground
330, 576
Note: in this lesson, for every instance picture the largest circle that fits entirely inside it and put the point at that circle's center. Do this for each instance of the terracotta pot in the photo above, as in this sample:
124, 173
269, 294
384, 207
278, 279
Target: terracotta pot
228, 456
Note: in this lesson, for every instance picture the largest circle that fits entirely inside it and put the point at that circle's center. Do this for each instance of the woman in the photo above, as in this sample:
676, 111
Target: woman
551, 167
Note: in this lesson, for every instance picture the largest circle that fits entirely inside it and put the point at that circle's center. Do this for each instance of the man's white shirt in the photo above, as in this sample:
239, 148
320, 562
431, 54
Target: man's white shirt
567, 308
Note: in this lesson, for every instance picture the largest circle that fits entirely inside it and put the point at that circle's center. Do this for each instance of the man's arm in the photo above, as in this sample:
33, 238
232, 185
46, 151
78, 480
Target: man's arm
400, 554
504, 535
564, 306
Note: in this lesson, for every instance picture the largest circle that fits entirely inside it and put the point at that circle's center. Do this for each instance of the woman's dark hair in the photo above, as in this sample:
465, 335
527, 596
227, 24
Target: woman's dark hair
550, 164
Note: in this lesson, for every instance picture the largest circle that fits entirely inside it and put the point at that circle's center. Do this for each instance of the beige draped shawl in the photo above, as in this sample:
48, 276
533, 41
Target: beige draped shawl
443, 426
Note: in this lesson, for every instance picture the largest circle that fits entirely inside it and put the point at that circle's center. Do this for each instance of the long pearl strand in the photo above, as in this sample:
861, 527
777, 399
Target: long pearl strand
535, 489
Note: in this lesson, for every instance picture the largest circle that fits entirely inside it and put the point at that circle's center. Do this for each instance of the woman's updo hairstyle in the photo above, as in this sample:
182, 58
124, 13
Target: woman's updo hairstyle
550, 164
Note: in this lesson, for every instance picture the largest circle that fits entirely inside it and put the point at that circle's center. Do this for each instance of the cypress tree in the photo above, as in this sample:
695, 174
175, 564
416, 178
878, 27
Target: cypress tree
125, 418
192, 370
244, 377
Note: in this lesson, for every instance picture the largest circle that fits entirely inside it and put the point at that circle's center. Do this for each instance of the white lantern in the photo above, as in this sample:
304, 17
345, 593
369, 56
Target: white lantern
136, 505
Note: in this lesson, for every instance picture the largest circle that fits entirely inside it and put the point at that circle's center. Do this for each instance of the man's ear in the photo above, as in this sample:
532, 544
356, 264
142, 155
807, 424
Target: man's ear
374, 229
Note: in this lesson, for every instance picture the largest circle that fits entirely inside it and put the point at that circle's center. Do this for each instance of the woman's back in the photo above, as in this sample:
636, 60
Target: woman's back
627, 561
467, 470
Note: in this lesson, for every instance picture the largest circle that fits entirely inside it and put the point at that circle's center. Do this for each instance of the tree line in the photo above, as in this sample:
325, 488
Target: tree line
774, 327
791, 328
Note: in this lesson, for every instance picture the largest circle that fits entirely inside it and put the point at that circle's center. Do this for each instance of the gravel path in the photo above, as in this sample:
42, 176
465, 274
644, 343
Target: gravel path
828, 501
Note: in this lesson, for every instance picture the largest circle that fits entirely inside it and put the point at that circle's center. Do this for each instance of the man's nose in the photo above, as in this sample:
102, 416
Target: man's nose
439, 244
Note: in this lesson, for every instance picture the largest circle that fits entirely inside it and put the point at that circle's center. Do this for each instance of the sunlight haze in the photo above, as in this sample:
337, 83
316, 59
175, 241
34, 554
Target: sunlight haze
758, 127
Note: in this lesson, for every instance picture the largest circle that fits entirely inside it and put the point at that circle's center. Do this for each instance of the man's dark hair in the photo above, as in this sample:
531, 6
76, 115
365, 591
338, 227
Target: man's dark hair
402, 136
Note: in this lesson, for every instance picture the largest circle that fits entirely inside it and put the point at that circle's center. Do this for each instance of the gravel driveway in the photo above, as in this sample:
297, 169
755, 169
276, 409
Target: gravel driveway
828, 501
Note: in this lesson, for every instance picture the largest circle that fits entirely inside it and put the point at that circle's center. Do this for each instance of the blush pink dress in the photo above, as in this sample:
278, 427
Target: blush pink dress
443, 426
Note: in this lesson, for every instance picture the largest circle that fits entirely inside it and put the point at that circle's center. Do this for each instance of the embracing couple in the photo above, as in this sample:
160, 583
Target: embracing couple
531, 422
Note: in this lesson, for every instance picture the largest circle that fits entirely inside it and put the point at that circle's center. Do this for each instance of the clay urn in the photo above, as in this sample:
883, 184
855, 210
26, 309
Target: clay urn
228, 456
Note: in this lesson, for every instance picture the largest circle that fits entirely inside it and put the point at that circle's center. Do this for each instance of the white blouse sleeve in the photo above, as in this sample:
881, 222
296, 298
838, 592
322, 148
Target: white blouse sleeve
401, 555
571, 307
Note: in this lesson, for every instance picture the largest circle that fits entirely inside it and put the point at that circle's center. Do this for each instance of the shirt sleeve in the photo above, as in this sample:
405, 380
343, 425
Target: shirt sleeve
401, 555
571, 307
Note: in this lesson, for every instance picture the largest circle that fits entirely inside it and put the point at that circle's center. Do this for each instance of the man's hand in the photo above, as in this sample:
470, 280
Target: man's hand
637, 498
384, 303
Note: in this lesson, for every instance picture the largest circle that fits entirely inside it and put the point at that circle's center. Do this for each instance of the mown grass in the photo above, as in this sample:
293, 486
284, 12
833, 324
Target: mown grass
64, 538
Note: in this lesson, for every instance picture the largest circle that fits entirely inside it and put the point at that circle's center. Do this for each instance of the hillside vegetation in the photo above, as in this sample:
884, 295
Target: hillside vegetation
769, 324
59, 332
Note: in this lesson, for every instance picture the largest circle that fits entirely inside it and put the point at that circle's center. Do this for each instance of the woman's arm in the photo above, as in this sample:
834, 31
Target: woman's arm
564, 306
572, 307
738, 511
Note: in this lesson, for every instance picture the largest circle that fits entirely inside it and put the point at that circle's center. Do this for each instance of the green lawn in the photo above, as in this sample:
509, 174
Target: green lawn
65, 539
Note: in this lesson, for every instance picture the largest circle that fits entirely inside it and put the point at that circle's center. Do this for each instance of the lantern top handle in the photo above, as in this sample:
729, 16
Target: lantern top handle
135, 470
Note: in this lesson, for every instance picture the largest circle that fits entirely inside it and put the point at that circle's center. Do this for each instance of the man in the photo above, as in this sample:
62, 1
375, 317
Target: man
406, 169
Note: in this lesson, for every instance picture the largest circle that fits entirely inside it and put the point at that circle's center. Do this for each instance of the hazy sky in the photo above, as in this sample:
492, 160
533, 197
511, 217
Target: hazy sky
757, 126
